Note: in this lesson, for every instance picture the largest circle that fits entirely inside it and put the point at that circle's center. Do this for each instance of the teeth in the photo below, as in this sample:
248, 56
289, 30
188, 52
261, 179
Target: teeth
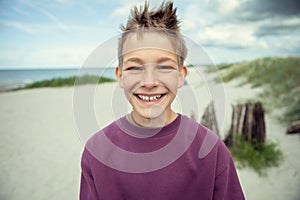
147, 98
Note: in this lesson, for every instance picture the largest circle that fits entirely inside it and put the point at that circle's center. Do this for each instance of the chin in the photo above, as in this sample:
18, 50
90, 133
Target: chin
152, 112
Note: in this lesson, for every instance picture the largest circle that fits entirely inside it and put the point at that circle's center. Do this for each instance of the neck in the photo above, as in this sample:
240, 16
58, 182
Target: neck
157, 122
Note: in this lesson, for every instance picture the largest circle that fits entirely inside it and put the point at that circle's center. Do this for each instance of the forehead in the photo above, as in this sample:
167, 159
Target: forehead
147, 40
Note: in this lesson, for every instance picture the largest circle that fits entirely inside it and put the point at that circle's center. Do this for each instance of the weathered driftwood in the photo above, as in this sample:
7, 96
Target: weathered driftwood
248, 122
258, 124
294, 128
209, 118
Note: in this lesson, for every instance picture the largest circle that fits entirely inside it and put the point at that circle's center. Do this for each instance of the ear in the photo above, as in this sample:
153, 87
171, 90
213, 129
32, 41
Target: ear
118, 73
182, 75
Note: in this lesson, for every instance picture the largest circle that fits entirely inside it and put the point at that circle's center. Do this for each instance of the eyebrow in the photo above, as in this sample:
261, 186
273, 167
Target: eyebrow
135, 60
165, 59
140, 61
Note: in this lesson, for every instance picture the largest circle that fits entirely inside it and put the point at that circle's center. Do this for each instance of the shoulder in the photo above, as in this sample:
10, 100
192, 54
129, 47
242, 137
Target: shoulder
107, 130
99, 140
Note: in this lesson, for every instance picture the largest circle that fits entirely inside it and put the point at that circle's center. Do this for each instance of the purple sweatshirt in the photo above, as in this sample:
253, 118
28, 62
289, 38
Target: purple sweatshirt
183, 160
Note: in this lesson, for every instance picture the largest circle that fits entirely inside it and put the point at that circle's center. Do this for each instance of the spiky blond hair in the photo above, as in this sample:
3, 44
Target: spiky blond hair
163, 20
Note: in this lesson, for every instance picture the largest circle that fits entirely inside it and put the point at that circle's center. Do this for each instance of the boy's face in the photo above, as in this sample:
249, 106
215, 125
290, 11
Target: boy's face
150, 75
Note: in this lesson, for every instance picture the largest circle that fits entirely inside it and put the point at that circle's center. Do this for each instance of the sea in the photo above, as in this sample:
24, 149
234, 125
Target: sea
14, 78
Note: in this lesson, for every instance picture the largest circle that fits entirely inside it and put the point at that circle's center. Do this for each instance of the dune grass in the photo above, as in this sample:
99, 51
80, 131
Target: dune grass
69, 81
279, 78
256, 156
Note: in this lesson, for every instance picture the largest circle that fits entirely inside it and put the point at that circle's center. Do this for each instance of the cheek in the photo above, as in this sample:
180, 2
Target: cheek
171, 82
130, 84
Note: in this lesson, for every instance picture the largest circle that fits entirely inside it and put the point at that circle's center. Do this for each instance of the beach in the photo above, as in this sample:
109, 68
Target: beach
41, 147
40, 150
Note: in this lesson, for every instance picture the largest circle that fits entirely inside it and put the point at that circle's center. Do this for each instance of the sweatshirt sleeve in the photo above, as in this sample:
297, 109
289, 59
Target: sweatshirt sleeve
87, 186
227, 185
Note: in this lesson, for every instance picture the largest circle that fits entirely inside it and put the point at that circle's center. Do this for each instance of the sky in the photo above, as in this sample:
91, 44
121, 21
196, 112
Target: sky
62, 33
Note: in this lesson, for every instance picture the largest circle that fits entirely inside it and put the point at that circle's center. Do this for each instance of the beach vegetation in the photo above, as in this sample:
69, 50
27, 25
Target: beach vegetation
279, 78
69, 81
257, 156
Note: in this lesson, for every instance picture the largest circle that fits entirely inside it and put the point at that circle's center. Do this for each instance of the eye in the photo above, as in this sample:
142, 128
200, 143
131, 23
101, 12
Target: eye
165, 67
134, 68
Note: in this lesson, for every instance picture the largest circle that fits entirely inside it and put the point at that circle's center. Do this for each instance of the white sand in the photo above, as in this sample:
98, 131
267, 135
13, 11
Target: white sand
41, 150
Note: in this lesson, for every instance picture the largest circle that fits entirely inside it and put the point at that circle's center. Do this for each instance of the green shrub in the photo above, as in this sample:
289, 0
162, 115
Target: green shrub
258, 157
69, 81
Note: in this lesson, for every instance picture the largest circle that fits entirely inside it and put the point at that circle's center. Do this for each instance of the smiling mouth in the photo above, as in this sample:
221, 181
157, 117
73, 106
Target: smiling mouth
149, 98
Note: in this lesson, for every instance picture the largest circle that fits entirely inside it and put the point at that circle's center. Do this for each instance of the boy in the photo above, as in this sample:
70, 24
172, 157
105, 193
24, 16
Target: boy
153, 152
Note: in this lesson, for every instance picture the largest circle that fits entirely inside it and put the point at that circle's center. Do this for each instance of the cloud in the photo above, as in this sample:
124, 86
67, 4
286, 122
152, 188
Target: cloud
238, 24
230, 36
189, 18
123, 10
235, 24
227, 6
228, 29
17, 25
268, 17
46, 13
278, 26
60, 56
258, 9
39, 28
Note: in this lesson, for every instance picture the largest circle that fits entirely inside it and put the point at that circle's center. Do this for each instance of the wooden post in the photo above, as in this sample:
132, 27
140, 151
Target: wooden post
209, 118
294, 128
248, 122
258, 124
229, 140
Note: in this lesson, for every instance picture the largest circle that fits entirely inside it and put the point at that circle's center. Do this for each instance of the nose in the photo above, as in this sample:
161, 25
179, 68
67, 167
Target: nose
149, 79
